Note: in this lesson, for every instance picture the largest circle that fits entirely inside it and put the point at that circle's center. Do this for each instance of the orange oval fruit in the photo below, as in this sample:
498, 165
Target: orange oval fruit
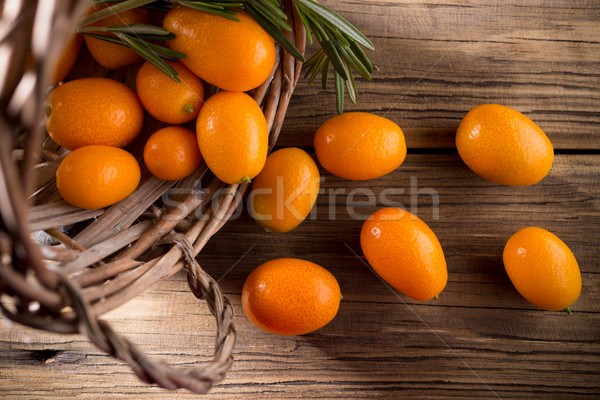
542, 268
67, 58
236, 56
405, 253
504, 146
359, 146
233, 136
111, 55
97, 176
285, 190
288, 296
172, 153
167, 100
93, 111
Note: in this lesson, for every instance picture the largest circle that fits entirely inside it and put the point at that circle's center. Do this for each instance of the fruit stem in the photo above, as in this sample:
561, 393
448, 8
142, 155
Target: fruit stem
568, 310
246, 179
188, 108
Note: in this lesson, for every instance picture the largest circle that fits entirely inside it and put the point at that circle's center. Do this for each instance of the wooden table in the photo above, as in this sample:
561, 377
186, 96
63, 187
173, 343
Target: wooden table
435, 60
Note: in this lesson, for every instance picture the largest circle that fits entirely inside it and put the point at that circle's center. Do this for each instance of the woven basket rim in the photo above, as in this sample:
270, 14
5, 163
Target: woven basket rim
66, 289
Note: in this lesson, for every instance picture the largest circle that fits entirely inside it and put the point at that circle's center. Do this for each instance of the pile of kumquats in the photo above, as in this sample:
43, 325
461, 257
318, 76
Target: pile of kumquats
97, 118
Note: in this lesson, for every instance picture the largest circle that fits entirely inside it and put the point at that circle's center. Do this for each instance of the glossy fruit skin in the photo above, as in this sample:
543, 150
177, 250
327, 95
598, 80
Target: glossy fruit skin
97, 176
93, 111
110, 55
359, 146
504, 146
289, 296
166, 100
405, 253
67, 58
285, 190
233, 137
172, 153
235, 56
542, 268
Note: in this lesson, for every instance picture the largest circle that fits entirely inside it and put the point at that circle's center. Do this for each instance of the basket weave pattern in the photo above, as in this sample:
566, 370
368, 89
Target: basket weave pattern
118, 252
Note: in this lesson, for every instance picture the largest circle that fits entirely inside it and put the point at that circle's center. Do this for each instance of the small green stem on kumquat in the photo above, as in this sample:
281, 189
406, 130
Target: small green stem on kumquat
188, 108
568, 310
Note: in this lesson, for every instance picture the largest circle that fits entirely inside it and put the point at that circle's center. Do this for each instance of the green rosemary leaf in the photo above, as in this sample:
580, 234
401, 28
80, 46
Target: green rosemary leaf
140, 47
268, 14
143, 31
351, 86
317, 28
276, 33
325, 74
226, 4
302, 16
338, 63
339, 92
161, 51
360, 54
157, 5
340, 37
352, 61
316, 68
221, 13
106, 38
335, 20
314, 59
275, 8
214, 6
113, 9
275, 3
165, 52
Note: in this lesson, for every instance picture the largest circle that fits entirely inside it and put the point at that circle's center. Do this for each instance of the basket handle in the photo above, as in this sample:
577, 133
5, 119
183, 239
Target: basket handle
198, 380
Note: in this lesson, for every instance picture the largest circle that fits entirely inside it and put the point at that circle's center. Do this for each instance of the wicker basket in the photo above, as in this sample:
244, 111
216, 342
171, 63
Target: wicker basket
118, 252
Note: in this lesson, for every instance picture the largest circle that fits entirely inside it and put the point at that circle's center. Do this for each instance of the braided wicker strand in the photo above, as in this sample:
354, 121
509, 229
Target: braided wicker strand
129, 246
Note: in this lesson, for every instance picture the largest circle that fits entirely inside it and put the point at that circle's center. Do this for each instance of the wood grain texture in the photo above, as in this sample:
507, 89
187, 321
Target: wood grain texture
480, 339
434, 61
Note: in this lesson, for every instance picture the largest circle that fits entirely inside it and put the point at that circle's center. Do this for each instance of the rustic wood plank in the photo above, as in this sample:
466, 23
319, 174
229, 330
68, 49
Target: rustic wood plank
435, 60
480, 339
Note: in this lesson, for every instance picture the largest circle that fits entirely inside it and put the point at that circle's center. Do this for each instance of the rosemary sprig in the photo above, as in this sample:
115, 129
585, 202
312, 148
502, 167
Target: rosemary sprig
341, 42
134, 36
340, 47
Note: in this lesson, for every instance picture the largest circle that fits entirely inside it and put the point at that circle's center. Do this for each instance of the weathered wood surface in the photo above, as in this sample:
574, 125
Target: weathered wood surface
435, 60
480, 339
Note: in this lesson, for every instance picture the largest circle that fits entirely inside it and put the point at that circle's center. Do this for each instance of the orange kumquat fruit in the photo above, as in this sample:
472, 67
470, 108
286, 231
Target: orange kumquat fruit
172, 153
542, 268
285, 190
235, 56
67, 58
233, 136
93, 111
288, 296
112, 55
405, 253
97, 176
359, 146
504, 146
167, 100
